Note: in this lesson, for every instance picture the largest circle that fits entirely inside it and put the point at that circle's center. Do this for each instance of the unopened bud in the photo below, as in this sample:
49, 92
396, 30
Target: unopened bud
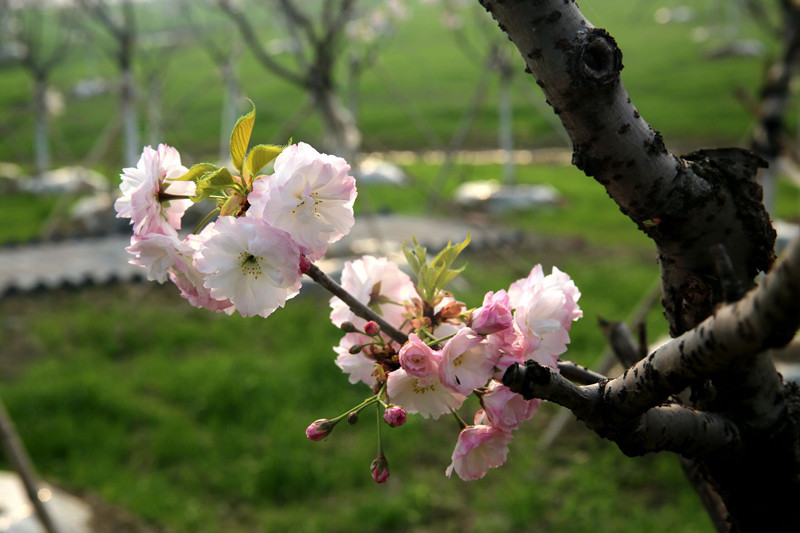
356, 349
395, 416
371, 328
305, 264
319, 429
451, 310
380, 469
348, 327
352, 418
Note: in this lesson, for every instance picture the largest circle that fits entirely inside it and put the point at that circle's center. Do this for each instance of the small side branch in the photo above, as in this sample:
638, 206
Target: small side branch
357, 307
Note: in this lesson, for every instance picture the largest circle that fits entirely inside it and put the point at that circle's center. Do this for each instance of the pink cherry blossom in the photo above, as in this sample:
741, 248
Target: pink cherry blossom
310, 196
478, 449
417, 358
545, 307
394, 416
156, 252
493, 316
424, 396
357, 366
505, 409
144, 186
248, 262
167, 257
465, 363
378, 283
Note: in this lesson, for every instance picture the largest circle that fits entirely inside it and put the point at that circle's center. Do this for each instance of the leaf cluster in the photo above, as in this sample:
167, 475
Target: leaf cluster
432, 277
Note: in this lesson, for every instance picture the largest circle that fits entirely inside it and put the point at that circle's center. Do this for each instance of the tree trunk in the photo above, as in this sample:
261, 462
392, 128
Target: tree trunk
40, 113
131, 146
690, 206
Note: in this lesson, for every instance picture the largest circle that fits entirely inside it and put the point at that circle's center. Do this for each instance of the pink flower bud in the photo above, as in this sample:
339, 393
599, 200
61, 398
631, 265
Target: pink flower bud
495, 314
395, 416
319, 429
380, 469
305, 264
371, 328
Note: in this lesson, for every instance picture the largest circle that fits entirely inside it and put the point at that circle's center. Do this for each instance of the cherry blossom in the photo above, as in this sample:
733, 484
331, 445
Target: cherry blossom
545, 307
248, 262
356, 365
505, 409
494, 315
146, 191
310, 196
417, 358
424, 396
465, 363
378, 283
478, 449
157, 253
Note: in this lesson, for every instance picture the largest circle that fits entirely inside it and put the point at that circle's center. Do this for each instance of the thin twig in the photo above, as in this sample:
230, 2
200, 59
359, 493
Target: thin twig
357, 307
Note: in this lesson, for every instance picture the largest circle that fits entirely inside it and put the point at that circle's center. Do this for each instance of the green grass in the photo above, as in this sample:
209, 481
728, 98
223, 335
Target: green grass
195, 421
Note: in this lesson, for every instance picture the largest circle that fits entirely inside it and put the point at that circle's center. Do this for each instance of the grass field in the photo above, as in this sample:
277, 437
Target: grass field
194, 421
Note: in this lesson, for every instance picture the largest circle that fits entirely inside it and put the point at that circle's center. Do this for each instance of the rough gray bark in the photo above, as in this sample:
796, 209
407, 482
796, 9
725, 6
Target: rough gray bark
741, 426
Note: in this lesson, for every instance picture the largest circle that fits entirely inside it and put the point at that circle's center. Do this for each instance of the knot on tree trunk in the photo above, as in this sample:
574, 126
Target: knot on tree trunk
597, 60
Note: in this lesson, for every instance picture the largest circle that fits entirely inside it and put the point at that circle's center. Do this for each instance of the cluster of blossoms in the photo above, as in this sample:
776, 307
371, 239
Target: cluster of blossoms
419, 349
250, 259
451, 353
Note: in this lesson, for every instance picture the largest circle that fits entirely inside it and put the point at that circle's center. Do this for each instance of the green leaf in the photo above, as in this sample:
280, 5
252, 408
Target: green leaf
432, 278
259, 156
240, 137
198, 170
213, 183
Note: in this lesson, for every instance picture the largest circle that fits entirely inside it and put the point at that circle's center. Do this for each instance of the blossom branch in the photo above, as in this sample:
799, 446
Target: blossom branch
357, 307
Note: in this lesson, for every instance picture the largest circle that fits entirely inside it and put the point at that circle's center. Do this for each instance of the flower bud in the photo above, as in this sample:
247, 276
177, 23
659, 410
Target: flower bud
371, 328
305, 264
395, 416
380, 469
348, 327
352, 418
319, 429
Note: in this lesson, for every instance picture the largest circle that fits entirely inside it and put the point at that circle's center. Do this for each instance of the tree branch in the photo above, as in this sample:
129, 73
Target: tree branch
357, 307
767, 317
253, 42
669, 428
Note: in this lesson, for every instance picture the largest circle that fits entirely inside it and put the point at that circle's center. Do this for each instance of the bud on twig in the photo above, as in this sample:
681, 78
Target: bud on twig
348, 327
380, 469
372, 328
395, 416
352, 418
319, 429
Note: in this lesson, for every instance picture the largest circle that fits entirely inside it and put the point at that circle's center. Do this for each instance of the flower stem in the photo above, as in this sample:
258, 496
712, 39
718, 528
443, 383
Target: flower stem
357, 307
205, 220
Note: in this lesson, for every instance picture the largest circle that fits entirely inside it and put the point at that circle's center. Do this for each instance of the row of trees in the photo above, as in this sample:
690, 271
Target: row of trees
307, 43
